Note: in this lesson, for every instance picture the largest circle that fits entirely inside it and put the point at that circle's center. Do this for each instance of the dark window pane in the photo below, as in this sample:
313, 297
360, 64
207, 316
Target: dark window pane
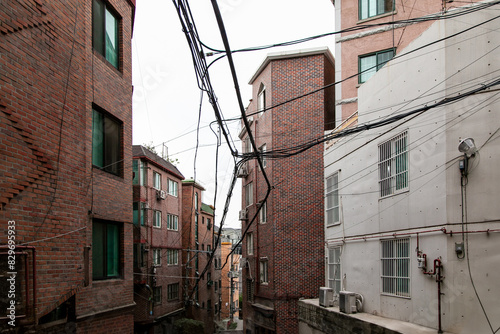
98, 250
98, 26
97, 139
111, 39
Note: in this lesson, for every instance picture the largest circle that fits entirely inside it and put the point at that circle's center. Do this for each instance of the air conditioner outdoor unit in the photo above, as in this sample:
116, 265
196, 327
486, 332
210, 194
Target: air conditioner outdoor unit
161, 194
325, 296
243, 214
243, 172
347, 302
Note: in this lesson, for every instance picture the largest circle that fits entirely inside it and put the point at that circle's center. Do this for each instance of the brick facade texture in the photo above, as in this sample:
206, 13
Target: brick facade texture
197, 308
50, 78
291, 239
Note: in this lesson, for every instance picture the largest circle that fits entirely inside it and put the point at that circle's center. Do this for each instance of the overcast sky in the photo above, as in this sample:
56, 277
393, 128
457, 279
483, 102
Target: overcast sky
166, 96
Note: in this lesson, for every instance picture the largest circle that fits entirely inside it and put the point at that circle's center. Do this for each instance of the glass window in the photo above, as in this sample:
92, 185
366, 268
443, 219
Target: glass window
157, 219
173, 291
261, 99
249, 194
249, 243
263, 271
172, 188
157, 180
157, 257
263, 213
332, 200
393, 165
370, 8
263, 150
157, 295
371, 63
172, 257
334, 269
396, 267
105, 250
172, 222
248, 145
106, 143
105, 32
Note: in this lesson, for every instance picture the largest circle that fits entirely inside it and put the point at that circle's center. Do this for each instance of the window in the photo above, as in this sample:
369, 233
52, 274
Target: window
172, 222
172, 188
157, 295
157, 180
396, 267
248, 145
370, 8
393, 165
196, 202
249, 243
209, 305
138, 255
105, 32
209, 249
173, 291
138, 169
157, 257
261, 99
249, 194
263, 150
157, 219
371, 63
139, 213
172, 257
105, 250
106, 142
263, 213
334, 269
263, 271
250, 289
216, 286
209, 223
332, 200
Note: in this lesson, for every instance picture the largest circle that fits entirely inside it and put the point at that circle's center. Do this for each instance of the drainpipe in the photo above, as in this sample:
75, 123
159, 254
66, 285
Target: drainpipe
437, 271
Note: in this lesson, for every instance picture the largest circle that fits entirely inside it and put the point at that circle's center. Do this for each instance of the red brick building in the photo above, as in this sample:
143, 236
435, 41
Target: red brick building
283, 247
197, 244
65, 162
157, 241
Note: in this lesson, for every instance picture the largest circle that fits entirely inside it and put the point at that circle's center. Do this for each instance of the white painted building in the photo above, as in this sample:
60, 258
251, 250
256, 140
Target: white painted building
397, 189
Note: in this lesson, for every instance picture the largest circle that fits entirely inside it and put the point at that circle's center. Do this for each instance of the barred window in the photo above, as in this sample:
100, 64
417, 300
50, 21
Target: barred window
334, 269
332, 200
393, 165
396, 267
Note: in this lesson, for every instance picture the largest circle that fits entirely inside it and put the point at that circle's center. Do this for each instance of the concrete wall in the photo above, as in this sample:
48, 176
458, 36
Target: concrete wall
433, 199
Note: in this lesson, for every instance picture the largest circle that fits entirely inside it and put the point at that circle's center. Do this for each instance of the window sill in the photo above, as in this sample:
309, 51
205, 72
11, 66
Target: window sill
333, 225
395, 194
371, 18
391, 295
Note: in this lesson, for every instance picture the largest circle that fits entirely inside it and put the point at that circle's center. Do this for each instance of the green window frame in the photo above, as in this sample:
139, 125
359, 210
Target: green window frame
106, 143
139, 175
106, 263
372, 8
105, 32
157, 180
369, 64
173, 188
172, 257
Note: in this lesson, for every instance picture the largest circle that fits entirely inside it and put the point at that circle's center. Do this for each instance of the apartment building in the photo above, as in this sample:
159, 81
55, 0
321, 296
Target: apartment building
411, 217
197, 244
283, 246
65, 142
157, 210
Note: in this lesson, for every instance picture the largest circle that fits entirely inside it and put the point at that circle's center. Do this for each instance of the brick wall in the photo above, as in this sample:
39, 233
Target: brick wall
292, 238
49, 78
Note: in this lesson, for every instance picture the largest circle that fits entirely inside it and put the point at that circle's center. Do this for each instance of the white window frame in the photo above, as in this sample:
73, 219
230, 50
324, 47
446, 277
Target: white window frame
173, 188
261, 99
172, 257
172, 222
157, 257
263, 271
156, 180
157, 219
334, 269
371, 8
263, 150
249, 243
332, 200
393, 165
395, 267
249, 194
263, 213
